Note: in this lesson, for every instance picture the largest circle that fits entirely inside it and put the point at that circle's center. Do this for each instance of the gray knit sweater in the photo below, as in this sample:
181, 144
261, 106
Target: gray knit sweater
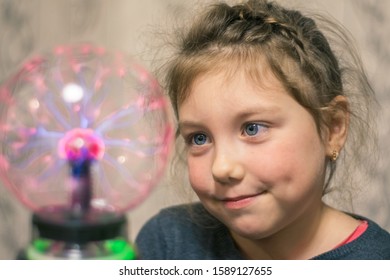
188, 232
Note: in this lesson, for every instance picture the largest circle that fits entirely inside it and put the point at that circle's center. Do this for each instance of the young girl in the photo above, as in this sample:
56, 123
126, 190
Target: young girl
267, 112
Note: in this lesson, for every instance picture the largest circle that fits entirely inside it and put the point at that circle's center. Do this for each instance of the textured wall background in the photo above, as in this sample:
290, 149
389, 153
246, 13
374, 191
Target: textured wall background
28, 26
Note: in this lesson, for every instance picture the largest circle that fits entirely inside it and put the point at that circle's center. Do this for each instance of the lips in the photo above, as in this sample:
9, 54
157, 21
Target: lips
239, 202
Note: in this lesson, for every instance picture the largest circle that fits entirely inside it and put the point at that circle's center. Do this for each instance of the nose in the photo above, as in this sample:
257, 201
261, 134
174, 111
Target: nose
226, 167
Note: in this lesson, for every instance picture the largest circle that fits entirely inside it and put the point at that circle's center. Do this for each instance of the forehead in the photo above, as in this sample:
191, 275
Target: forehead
231, 76
254, 62
223, 93
227, 61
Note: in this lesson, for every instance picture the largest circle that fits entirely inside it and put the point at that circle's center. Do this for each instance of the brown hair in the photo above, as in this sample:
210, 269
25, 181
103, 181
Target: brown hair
297, 53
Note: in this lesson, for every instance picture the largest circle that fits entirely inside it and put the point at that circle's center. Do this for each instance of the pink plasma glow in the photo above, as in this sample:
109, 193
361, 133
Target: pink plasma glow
81, 144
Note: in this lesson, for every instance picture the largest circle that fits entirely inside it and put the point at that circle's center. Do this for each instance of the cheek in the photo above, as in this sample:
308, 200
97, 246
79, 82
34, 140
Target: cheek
199, 174
297, 163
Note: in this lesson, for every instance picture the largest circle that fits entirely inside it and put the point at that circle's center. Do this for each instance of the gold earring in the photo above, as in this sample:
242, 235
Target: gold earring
335, 155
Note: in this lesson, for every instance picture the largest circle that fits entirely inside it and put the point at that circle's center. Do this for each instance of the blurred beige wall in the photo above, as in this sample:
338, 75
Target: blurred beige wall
28, 26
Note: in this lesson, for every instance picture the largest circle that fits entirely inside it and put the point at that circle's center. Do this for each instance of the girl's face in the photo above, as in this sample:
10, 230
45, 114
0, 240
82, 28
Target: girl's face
255, 157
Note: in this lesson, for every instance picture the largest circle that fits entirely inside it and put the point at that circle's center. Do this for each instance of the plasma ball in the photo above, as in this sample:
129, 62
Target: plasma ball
92, 119
81, 144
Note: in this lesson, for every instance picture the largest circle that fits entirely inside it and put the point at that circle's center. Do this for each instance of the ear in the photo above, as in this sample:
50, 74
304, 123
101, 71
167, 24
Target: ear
338, 123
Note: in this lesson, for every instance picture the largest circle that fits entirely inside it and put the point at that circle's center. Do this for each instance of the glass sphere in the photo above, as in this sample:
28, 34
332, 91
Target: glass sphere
83, 106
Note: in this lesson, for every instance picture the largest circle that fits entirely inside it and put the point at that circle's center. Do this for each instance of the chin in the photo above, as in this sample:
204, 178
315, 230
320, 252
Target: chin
250, 232
249, 227
246, 224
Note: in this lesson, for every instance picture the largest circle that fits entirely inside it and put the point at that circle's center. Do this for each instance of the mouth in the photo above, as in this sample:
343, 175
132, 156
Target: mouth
239, 202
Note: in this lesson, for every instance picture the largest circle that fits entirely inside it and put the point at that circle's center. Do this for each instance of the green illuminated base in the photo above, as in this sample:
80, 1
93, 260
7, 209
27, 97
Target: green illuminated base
114, 249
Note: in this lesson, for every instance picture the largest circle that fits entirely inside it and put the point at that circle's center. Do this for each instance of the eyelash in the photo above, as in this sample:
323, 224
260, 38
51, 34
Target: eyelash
190, 140
260, 128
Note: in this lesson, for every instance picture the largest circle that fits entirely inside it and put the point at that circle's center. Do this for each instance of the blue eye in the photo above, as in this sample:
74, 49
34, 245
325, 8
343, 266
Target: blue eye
253, 129
199, 139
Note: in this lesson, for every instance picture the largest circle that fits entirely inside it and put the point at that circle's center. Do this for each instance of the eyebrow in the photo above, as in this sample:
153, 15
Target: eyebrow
189, 124
248, 112
258, 110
